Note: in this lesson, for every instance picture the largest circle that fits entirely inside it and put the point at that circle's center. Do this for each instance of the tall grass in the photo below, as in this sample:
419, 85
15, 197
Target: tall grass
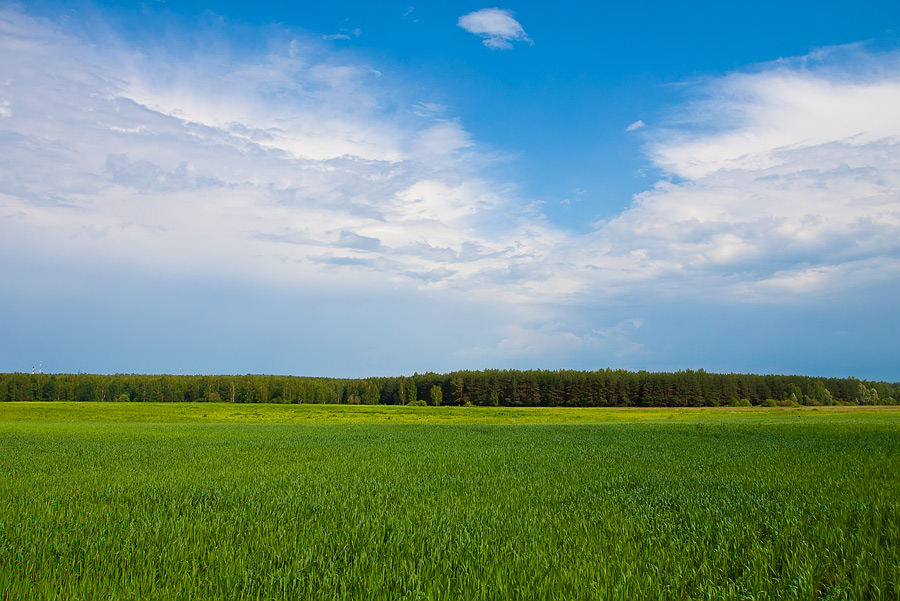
747, 506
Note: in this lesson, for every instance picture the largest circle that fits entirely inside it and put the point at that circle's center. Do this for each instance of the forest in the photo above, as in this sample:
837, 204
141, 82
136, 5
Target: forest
509, 388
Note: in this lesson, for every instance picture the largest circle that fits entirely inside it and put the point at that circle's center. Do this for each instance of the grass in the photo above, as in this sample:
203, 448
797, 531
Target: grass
323, 502
394, 414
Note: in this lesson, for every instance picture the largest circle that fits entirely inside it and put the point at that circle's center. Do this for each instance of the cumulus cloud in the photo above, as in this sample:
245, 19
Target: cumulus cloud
784, 181
282, 166
285, 169
442, 138
497, 28
791, 106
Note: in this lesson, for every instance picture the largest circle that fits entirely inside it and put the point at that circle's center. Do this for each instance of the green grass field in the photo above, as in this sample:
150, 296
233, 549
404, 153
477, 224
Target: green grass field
198, 501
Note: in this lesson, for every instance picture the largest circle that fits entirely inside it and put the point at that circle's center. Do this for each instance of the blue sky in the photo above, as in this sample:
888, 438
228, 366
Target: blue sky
383, 188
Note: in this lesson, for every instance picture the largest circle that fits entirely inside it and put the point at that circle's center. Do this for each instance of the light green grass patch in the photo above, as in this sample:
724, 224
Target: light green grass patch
398, 414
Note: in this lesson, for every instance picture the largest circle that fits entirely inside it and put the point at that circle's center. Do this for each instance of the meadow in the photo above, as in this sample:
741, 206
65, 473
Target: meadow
222, 501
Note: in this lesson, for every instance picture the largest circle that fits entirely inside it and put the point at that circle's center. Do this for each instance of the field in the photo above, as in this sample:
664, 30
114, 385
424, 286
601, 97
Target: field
203, 501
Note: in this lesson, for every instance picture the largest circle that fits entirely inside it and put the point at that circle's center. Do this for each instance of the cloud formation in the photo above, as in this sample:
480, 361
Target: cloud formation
784, 181
635, 126
497, 28
283, 166
295, 169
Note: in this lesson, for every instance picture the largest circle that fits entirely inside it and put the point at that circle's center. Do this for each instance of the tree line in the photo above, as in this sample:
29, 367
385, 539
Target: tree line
509, 388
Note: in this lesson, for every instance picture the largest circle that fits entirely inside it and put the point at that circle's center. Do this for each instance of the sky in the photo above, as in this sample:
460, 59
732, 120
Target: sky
378, 189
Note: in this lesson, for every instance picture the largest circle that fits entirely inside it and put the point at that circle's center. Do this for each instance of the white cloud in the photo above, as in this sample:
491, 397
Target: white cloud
786, 182
781, 110
346, 34
636, 125
280, 166
495, 26
442, 138
284, 170
429, 109
268, 166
